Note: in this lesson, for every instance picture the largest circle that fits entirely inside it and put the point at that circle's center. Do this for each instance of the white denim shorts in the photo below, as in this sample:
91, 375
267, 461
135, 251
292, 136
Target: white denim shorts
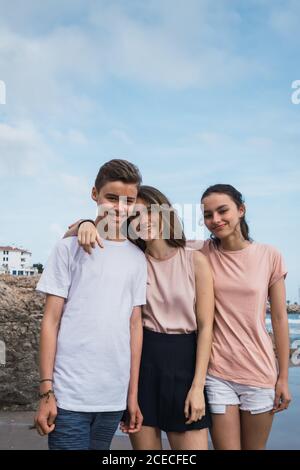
221, 393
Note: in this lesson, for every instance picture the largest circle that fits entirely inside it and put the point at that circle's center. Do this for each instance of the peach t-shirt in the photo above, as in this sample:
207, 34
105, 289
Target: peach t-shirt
171, 295
242, 350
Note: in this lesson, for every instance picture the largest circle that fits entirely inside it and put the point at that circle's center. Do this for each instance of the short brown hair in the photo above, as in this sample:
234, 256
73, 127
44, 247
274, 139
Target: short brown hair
118, 170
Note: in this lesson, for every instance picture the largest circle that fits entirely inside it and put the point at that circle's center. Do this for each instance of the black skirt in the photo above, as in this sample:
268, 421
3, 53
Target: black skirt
166, 374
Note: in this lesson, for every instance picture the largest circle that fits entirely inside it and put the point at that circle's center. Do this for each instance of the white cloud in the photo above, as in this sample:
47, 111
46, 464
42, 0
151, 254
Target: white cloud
23, 150
57, 230
76, 185
284, 19
150, 43
72, 137
173, 47
42, 74
121, 136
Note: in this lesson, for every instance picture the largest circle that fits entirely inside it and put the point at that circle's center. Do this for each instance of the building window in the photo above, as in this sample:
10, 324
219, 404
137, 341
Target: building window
23, 260
14, 273
20, 273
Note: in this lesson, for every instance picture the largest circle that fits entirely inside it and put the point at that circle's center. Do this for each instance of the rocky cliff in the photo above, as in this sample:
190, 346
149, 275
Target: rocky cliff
21, 310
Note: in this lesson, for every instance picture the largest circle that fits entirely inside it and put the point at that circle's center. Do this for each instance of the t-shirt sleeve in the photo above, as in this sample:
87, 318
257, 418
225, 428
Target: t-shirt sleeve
140, 286
197, 245
56, 279
278, 267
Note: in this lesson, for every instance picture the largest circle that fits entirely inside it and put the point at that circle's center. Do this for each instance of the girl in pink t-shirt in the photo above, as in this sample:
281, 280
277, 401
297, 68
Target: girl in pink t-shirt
245, 384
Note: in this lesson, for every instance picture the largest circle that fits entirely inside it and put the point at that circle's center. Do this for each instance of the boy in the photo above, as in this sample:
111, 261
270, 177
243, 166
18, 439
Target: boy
91, 333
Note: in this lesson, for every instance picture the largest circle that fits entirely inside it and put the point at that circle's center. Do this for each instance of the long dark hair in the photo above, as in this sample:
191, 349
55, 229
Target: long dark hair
237, 198
168, 217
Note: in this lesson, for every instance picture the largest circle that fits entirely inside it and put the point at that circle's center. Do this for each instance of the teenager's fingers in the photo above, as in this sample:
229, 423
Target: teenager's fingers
287, 401
40, 431
201, 413
139, 421
276, 402
42, 426
123, 427
81, 238
186, 409
139, 418
93, 240
51, 418
132, 421
281, 407
88, 239
37, 426
99, 240
51, 428
138, 425
194, 415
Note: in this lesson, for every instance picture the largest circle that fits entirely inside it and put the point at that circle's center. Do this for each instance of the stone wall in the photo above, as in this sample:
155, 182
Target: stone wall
21, 311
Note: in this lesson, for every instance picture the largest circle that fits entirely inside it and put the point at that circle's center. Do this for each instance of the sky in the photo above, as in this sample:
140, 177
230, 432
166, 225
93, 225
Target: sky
194, 92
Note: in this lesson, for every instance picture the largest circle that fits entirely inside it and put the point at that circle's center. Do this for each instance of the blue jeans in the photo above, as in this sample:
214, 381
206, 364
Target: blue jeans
78, 430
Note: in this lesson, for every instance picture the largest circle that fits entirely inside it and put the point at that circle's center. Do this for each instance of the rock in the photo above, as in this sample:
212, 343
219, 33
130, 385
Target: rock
21, 311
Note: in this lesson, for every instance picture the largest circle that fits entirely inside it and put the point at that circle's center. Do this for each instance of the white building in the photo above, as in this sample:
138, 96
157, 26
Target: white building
16, 261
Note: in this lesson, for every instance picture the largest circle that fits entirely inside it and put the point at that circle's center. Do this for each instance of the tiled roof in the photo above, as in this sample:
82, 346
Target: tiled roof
11, 248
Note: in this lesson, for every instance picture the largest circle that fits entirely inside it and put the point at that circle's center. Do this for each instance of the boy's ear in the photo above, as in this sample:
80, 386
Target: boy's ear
94, 194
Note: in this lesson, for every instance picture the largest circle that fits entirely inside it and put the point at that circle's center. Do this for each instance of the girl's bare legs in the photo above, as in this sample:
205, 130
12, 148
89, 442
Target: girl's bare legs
255, 430
148, 438
189, 440
226, 429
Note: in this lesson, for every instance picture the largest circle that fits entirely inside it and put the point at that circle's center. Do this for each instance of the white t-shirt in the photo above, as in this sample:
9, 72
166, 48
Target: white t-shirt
92, 363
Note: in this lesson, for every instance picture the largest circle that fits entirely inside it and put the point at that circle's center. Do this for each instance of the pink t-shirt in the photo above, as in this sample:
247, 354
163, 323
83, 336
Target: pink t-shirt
242, 350
171, 294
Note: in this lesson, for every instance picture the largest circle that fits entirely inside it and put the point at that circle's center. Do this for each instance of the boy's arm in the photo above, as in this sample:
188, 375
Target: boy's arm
136, 343
72, 229
46, 414
87, 234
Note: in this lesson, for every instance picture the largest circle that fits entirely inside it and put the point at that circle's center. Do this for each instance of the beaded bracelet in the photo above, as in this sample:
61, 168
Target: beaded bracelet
46, 395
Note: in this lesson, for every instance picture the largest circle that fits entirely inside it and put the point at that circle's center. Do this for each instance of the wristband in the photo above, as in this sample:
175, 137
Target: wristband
86, 220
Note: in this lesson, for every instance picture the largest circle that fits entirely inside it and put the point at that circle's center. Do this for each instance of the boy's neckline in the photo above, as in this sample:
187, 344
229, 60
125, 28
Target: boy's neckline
115, 242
